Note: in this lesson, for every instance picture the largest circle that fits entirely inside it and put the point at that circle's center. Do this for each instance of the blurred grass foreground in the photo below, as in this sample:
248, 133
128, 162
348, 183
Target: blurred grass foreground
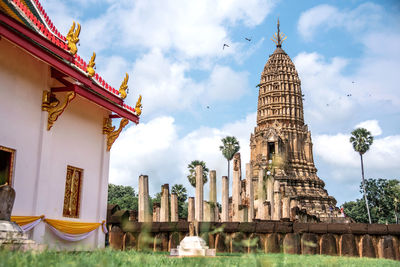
108, 257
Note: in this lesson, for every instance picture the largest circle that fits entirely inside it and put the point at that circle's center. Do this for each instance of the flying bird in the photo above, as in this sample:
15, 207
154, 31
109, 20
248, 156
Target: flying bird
248, 39
349, 95
223, 47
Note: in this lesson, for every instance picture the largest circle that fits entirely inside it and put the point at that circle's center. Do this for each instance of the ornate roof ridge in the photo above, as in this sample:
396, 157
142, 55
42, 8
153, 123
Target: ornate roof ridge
42, 25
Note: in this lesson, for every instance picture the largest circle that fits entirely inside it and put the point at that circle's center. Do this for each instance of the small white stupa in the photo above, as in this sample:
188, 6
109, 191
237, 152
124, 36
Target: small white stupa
192, 246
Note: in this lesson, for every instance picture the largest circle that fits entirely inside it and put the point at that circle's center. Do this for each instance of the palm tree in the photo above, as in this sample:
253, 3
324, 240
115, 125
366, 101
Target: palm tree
180, 192
229, 148
192, 172
362, 139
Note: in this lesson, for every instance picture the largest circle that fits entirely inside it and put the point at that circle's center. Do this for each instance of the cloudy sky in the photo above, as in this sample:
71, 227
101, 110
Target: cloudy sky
347, 54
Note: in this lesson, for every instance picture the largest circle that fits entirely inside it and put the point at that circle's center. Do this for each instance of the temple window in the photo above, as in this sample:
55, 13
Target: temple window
271, 150
73, 185
6, 165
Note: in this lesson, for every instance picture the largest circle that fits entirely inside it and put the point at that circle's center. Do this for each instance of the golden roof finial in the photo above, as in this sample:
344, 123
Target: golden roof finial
90, 66
73, 38
124, 87
278, 37
138, 107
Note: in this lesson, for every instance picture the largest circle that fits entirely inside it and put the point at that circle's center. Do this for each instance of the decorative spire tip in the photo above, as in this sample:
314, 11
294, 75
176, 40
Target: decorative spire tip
278, 37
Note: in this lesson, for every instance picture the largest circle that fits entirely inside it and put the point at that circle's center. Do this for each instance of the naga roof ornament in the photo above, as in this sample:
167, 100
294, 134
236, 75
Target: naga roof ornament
124, 86
73, 38
90, 66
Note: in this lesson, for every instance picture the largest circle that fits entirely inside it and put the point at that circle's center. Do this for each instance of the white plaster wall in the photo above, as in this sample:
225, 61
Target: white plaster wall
76, 139
22, 78
42, 156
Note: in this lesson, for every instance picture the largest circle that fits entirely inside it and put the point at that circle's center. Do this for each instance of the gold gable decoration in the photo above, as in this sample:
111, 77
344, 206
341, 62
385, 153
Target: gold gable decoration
110, 131
52, 105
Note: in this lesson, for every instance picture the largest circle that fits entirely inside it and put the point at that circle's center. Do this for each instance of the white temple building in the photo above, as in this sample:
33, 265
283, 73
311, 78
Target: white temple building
56, 130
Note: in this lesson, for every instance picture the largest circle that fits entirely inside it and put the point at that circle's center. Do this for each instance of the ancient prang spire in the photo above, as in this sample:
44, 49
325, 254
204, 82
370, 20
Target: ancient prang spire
281, 143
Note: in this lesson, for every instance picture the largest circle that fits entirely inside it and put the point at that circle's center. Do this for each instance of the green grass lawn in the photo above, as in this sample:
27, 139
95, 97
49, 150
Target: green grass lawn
108, 257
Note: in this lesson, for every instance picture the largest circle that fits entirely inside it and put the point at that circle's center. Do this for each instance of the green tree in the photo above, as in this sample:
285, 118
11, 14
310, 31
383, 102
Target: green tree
124, 196
361, 140
181, 193
230, 146
155, 199
192, 172
383, 197
356, 210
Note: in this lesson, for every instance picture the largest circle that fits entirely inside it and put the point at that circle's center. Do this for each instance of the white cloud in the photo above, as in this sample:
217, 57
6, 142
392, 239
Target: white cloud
226, 84
144, 149
383, 155
155, 149
335, 150
326, 17
166, 86
163, 83
339, 165
324, 86
334, 95
193, 29
372, 126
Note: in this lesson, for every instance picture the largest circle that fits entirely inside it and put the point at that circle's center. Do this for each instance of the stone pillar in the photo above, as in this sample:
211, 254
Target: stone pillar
243, 213
293, 204
236, 196
270, 191
174, 208
156, 212
213, 186
236, 187
277, 202
216, 213
267, 210
225, 199
213, 196
164, 212
207, 211
191, 209
199, 194
144, 209
286, 207
261, 195
250, 191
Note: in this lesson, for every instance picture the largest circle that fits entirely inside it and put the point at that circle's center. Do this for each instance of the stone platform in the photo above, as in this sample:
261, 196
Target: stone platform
13, 238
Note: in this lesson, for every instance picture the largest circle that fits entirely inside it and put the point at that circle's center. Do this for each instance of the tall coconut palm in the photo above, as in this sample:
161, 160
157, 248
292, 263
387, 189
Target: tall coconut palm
362, 139
229, 148
192, 172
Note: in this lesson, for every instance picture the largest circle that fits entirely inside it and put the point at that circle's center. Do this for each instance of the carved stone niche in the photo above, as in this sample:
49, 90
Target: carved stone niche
7, 197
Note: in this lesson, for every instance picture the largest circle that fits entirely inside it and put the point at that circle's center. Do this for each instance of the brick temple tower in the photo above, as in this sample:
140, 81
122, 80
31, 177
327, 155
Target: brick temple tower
281, 143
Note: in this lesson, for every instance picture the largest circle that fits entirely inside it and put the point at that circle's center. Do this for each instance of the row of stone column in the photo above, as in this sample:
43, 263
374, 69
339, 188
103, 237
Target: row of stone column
270, 205
161, 211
